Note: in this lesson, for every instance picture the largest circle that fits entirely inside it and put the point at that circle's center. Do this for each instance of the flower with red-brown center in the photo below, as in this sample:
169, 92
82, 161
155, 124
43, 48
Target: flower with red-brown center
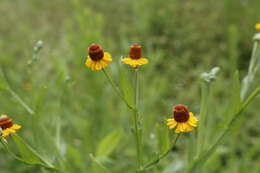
180, 113
7, 126
135, 51
5, 122
183, 120
95, 52
97, 59
135, 58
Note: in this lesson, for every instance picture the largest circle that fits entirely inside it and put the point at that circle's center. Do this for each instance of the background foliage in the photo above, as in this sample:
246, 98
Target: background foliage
76, 116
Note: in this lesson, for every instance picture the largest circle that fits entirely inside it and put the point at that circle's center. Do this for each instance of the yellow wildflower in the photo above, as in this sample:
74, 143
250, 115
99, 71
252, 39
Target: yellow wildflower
7, 126
135, 58
183, 120
97, 59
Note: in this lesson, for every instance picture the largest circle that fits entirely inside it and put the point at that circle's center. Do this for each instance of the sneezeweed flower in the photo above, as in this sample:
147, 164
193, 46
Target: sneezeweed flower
257, 26
183, 120
135, 58
7, 126
97, 59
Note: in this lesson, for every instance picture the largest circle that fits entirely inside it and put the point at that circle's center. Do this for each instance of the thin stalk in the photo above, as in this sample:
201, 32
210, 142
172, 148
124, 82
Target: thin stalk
116, 88
203, 115
15, 95
163, 155
19, 100
138, 139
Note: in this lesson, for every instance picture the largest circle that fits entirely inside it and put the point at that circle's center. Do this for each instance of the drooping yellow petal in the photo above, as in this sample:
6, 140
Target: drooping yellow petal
11, 130
88, 62
188, 128
6, 132
193, 121
179, 128
99, 64
107, 57
171, 123
135, 62
16, 127
183, 127
257, 26
143, 61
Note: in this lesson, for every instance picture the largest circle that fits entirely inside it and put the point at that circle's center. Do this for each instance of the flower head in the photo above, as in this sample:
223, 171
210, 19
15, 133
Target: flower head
183, 120
97, 59
135, 58
257, 26
7, 126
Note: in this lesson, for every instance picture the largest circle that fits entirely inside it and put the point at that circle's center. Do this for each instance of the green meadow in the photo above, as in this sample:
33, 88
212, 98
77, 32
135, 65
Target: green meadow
202, 53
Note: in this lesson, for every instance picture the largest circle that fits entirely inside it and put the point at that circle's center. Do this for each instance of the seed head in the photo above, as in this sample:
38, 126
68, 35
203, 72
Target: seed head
95, 52
135, 51
180, 113
5, 122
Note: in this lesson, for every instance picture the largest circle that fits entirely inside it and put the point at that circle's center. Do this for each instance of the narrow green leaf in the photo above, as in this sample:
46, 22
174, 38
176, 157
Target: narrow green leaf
74, 157
109, 143
37, 161
28, 153
98, 167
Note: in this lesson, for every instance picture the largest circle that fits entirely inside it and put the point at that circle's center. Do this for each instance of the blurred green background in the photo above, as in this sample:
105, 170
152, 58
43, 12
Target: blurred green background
75, 108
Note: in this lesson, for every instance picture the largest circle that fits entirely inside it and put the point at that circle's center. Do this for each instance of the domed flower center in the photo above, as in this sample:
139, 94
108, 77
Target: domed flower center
181, 113
5, 122
135, 51
95, 52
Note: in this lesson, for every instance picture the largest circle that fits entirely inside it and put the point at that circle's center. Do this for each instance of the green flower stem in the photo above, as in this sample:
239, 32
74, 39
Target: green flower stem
161, 156
116, 89
138, 138
203, 114
137, 131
